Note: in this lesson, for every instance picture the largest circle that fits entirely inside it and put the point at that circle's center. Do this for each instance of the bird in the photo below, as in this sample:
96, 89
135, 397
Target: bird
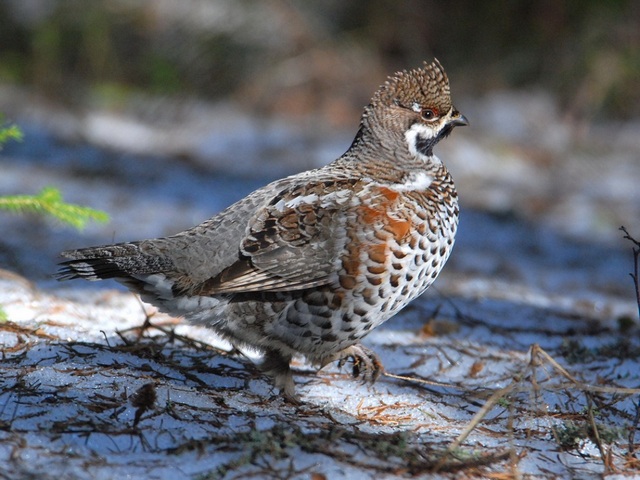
310, 264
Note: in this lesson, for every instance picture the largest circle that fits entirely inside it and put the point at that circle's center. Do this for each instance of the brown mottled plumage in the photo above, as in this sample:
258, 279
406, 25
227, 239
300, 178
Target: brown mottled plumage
310, 264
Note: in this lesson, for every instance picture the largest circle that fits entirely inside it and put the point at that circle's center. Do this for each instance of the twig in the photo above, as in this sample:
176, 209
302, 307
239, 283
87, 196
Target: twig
636, 261
537, 357
633, 429
420, 380
596, 435
477, 418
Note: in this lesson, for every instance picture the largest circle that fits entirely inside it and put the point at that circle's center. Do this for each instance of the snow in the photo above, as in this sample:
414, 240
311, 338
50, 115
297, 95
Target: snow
527, 303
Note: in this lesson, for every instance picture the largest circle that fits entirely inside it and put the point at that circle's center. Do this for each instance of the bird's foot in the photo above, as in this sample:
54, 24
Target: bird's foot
366, 363
276, 366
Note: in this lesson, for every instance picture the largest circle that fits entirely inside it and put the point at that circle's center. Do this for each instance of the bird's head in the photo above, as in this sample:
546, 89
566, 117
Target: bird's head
417, 105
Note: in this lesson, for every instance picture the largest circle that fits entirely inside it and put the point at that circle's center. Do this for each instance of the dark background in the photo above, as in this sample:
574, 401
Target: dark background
295, 57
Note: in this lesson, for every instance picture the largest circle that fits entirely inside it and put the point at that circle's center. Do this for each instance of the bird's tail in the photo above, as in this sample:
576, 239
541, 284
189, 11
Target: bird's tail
142, 268
123, 262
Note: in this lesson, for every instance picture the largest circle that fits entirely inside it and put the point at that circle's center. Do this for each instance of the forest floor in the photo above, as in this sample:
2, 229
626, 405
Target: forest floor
520, 362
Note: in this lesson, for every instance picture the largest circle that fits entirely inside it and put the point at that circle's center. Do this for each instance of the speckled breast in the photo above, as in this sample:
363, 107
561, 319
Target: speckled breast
395, 246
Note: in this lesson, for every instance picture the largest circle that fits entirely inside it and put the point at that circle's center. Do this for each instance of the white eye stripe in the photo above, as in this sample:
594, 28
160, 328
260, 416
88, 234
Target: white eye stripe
415, 106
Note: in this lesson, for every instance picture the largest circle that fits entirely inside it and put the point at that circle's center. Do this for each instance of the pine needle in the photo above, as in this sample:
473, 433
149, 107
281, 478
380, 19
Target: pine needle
49, 202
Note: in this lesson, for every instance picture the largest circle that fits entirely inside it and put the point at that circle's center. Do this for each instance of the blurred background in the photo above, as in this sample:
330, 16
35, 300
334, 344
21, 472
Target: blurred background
163, 112
299, 58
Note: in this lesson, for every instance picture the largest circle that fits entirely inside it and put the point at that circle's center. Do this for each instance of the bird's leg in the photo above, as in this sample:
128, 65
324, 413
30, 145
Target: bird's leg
276, 365
366, 363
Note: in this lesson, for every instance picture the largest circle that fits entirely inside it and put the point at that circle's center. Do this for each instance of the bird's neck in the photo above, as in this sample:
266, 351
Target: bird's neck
388, 149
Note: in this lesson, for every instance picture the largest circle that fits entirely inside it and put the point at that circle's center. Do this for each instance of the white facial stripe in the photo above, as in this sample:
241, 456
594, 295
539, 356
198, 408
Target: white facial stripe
415, 106
418, 130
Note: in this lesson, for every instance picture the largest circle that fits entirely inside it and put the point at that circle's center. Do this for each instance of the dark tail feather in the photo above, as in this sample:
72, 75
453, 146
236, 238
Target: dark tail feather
121, 261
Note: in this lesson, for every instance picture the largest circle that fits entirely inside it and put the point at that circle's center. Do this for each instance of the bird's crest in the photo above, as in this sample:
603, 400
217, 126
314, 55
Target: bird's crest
420, 87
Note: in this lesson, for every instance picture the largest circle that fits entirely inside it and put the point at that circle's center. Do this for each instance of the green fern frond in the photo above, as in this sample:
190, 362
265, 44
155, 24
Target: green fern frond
11, 132
49, 201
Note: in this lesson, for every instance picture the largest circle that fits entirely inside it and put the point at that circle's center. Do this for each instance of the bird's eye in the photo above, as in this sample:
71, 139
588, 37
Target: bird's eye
429, 114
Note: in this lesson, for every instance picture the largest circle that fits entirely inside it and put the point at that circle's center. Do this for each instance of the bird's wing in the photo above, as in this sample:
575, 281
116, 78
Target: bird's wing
292, 242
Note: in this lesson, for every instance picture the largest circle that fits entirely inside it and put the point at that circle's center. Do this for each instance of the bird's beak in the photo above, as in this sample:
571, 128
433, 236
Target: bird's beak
458, 120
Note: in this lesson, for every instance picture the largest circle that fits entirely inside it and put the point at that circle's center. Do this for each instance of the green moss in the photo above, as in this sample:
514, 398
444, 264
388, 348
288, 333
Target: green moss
571, 434
574, 352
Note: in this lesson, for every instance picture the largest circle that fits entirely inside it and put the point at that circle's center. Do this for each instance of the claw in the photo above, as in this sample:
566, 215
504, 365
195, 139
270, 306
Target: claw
366, 364
356, 368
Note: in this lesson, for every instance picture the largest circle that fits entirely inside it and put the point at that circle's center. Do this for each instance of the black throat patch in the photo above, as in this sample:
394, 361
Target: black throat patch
425, 145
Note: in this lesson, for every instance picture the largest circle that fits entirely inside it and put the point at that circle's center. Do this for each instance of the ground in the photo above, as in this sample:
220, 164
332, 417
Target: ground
520, 362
